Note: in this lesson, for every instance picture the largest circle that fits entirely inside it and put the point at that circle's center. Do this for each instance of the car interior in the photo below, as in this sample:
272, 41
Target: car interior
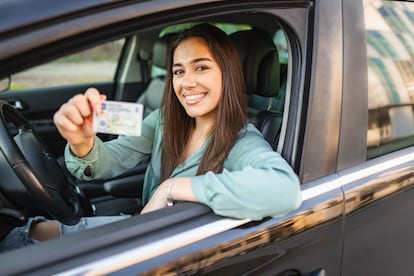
141, 79
265, 81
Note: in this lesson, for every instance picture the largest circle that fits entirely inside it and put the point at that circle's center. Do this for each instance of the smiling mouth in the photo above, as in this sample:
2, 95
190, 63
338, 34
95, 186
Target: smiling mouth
194, 99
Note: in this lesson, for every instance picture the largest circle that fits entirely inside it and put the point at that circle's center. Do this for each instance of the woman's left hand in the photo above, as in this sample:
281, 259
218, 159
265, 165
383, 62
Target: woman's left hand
180, 190
158, 200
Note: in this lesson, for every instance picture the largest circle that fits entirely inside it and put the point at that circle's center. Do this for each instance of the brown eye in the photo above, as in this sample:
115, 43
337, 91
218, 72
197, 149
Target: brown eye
201, 68
178, 72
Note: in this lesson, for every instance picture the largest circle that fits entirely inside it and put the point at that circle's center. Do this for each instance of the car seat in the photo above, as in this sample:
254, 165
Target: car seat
260, 61
152, 96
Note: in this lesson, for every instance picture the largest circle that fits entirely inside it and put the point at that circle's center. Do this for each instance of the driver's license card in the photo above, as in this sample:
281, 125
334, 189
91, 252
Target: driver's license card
120, 118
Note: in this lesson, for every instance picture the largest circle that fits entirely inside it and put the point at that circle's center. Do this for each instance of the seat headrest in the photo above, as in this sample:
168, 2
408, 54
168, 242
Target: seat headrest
260, 61
160, 49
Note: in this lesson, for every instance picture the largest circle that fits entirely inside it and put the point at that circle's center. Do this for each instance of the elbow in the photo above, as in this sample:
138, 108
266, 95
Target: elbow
291, 199
294, 201
277, 203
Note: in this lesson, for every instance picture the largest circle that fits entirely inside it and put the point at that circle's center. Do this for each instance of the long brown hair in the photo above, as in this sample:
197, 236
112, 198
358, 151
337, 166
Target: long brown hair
231, 111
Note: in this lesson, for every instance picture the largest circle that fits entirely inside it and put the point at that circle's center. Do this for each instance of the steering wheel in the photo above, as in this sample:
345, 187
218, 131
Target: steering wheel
31, 173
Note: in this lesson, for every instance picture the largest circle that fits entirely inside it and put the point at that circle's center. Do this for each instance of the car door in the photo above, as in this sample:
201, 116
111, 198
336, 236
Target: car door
379, 192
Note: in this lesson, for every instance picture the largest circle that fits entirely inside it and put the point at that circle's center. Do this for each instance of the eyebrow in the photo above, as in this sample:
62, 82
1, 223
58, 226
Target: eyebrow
194, 61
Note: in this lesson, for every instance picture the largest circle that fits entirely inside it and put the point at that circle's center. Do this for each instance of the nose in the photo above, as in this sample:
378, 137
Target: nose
189, 80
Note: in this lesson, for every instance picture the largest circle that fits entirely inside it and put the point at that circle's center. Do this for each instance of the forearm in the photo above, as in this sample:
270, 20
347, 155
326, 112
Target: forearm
177, 189
180, 189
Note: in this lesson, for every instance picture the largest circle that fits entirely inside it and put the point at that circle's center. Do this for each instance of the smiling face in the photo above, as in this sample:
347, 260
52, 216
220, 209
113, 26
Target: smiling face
197, 78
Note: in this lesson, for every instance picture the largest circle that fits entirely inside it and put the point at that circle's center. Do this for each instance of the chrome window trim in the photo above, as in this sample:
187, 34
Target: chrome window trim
388, 175
359, 173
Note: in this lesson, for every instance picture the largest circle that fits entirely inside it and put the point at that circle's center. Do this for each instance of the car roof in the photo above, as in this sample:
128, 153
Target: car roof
19, 13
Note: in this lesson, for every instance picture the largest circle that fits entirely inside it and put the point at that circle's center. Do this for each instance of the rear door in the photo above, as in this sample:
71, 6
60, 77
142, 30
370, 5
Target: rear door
379, 194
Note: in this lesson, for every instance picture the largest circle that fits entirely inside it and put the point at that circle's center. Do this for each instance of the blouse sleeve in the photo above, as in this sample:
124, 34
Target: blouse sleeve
109, 159
256, 182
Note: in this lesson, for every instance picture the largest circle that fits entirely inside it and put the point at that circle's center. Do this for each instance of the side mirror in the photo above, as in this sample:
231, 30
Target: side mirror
5, 84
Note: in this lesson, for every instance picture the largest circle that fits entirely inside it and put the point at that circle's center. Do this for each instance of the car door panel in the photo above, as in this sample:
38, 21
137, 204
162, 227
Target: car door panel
379, 211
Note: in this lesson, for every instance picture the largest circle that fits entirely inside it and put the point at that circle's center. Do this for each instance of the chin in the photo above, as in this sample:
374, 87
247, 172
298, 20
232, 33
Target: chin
199, 110
193, 111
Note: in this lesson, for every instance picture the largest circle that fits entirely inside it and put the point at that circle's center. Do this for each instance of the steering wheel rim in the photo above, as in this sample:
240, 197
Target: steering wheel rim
37, 168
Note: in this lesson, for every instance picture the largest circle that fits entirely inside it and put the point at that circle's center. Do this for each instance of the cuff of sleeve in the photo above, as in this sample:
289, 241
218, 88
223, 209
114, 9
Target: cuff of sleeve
200, 191
78, 166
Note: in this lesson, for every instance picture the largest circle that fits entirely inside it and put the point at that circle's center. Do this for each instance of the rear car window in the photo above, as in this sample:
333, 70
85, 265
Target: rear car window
390, 52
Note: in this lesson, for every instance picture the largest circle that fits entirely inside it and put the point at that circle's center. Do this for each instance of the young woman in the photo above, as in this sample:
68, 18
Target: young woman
202, 148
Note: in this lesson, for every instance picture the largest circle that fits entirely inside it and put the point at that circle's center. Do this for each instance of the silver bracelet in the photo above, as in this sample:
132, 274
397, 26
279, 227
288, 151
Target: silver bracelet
170, 201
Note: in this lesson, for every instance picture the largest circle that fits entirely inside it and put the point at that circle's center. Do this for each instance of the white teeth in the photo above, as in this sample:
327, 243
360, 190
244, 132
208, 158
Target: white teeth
193, 97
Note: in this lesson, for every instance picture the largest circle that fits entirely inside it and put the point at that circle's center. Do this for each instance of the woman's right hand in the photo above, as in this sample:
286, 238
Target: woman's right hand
74, 120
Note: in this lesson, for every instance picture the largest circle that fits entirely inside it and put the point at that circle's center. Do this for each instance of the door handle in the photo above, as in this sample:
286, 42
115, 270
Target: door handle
18, 105
318, 272
295, 272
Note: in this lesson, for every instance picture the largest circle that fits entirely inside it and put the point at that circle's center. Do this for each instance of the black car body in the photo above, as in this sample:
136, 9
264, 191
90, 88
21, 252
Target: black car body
346, 102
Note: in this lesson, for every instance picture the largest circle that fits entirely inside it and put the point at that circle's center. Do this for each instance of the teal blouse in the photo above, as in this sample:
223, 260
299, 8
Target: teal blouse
256, 181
